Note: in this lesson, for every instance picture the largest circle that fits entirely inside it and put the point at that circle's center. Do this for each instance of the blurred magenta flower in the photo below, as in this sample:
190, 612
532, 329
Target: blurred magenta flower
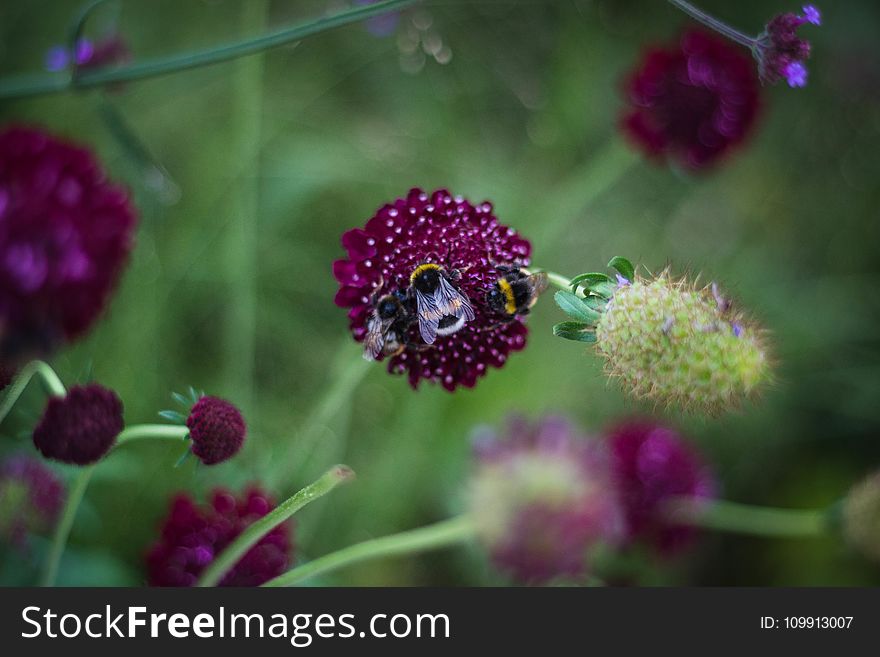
217, 430
80, 427
193, 535
88, 54
781, 53
451, 232
65, 234
693, 102
653, 464
31, 496
380, 26
542, 499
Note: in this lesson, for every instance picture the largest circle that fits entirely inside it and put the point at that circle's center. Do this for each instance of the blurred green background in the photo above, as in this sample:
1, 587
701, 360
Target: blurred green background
274, 156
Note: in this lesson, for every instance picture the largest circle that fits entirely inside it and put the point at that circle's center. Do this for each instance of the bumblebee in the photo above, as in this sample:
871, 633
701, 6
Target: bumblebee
440, 308
516, 291
387, 325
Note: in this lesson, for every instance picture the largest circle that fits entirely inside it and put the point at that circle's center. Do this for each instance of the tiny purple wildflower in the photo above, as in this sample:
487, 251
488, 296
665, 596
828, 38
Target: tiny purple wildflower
812, 15
796, 75
622, 281
780, 52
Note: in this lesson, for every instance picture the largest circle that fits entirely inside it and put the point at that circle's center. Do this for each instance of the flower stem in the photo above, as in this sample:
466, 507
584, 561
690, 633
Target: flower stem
714, 23
432, 537
173, 432
22, 86
65, 523
560, 281
336, 475
16, 388
722, 515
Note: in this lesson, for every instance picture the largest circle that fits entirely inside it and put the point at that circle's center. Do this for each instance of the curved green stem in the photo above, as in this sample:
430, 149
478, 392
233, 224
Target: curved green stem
560, 281
249, 537
65, 523
41, 84
17, 387
733, 517
432, 537
134, 432
713, 23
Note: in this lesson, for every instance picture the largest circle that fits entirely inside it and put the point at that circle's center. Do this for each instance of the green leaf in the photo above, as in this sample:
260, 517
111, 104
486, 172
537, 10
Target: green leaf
604, 290
596, 302
589, 280
624, 266
173, 416
575, 307
577, 331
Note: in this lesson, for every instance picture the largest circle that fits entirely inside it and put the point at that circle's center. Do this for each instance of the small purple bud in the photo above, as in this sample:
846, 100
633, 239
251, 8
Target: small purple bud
85, 49
796, 74
622, 281
737, 329
56, 58
812, 15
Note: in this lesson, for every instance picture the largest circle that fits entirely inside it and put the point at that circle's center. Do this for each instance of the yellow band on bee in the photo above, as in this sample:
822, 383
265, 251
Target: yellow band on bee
507, 291
421, 269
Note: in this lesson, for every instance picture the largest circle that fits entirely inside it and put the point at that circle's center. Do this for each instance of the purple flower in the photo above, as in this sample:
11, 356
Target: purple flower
30, 498
781, 53
80, 427
111, 49
464, 239
193, 535
693, 102
652, 465
542, 500
65, 235
812, 15
217, 430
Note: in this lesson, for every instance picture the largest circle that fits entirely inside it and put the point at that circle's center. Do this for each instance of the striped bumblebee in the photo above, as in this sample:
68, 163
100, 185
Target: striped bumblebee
386, 328
515, 291
441, 309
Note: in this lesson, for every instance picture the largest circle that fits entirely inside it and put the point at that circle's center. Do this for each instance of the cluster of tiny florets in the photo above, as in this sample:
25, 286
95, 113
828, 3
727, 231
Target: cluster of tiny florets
861, 516
781, 53
446, 230
217, 430
31, 496
192, 536
81, 426
676, 344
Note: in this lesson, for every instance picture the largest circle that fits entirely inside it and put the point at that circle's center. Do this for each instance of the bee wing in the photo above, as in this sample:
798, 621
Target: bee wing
429, 315
375, 339
540, 282
452, 302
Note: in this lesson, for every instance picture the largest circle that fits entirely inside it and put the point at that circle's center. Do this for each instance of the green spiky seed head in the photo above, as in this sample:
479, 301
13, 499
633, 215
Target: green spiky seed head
673, 343
861, 517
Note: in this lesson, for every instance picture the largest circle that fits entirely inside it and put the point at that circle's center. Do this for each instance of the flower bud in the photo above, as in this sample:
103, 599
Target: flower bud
81, 426
672, 343
217, 430
542, 500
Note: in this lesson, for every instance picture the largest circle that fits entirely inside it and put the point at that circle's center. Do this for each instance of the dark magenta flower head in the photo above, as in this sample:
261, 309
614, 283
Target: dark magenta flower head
542, 500
65, 235
693, 102
81, 426
217, 430
31, 496
467, 242
651, 465
192, 536
781, 53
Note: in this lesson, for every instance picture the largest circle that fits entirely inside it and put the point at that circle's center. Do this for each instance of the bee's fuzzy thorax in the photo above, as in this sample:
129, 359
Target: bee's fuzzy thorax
421, 269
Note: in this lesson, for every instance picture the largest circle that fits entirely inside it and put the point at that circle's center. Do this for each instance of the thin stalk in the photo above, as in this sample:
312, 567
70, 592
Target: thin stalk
35, 368
215, 571
560, 281
715, 24
722, 515
65, 524
135, 432
23, 86
433, 537
243, 226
